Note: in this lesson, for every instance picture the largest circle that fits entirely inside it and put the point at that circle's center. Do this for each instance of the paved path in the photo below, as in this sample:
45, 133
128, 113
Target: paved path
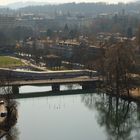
53, 81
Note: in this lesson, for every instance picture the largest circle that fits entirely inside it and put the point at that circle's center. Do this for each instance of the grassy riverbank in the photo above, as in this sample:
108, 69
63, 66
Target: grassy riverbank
8, 62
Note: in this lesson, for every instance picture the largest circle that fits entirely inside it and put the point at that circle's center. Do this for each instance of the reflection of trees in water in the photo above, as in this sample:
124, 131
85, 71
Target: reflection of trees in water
119, 117
5, 90
71, 86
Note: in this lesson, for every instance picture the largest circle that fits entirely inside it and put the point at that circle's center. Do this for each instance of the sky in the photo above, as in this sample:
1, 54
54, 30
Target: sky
4, 2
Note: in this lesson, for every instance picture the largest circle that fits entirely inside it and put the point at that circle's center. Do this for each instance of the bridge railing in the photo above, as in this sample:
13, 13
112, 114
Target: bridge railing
32, 75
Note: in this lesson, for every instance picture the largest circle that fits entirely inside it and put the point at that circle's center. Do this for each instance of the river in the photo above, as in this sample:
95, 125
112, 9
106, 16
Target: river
76, 117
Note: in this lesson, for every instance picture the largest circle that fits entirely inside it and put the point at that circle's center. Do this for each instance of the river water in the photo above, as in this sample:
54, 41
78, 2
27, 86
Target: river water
76, 117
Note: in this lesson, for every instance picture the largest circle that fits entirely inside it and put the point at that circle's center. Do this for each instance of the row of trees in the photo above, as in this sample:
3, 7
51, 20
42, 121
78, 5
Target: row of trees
118, 62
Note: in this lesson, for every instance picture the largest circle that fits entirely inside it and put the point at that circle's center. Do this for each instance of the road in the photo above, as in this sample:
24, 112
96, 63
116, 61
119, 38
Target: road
52, 81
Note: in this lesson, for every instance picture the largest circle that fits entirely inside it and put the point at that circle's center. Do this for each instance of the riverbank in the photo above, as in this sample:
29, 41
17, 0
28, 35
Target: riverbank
9, 62
134, 94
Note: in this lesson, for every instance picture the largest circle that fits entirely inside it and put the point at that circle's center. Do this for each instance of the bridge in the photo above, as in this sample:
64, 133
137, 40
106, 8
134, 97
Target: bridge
87, 79
50, 93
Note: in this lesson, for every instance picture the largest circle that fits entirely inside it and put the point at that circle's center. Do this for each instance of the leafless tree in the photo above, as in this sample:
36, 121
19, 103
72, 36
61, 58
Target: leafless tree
119, 60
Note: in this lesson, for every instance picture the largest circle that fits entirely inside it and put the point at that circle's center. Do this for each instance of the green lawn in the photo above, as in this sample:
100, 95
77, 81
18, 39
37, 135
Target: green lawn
6, 62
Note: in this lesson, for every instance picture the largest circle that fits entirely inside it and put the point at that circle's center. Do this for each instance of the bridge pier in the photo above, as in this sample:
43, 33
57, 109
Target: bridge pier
55, 87
87, 86
15, 89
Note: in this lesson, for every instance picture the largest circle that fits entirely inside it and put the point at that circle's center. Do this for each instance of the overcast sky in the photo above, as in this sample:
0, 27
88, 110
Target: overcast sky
4, 2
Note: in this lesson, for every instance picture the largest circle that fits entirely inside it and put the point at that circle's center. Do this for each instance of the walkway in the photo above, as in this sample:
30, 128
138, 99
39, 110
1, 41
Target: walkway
78, 80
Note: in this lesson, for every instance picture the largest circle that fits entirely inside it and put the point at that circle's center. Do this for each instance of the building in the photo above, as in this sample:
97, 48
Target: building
7, 21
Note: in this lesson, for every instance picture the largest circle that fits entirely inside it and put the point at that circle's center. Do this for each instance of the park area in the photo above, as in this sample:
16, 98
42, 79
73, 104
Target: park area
9, 62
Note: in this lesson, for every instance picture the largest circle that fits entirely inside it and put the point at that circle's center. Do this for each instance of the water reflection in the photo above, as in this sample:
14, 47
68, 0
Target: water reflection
65, 117
5, 90
119, 118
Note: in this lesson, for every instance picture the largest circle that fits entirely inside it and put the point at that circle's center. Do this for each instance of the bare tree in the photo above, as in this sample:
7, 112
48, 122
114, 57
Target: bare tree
119, 60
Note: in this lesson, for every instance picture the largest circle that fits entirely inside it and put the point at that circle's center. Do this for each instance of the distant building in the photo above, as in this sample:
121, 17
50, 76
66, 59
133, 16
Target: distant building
63, 48
69, 43
7, 21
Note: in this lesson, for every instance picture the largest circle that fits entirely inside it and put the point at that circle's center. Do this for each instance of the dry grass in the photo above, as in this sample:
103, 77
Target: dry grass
6, 62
